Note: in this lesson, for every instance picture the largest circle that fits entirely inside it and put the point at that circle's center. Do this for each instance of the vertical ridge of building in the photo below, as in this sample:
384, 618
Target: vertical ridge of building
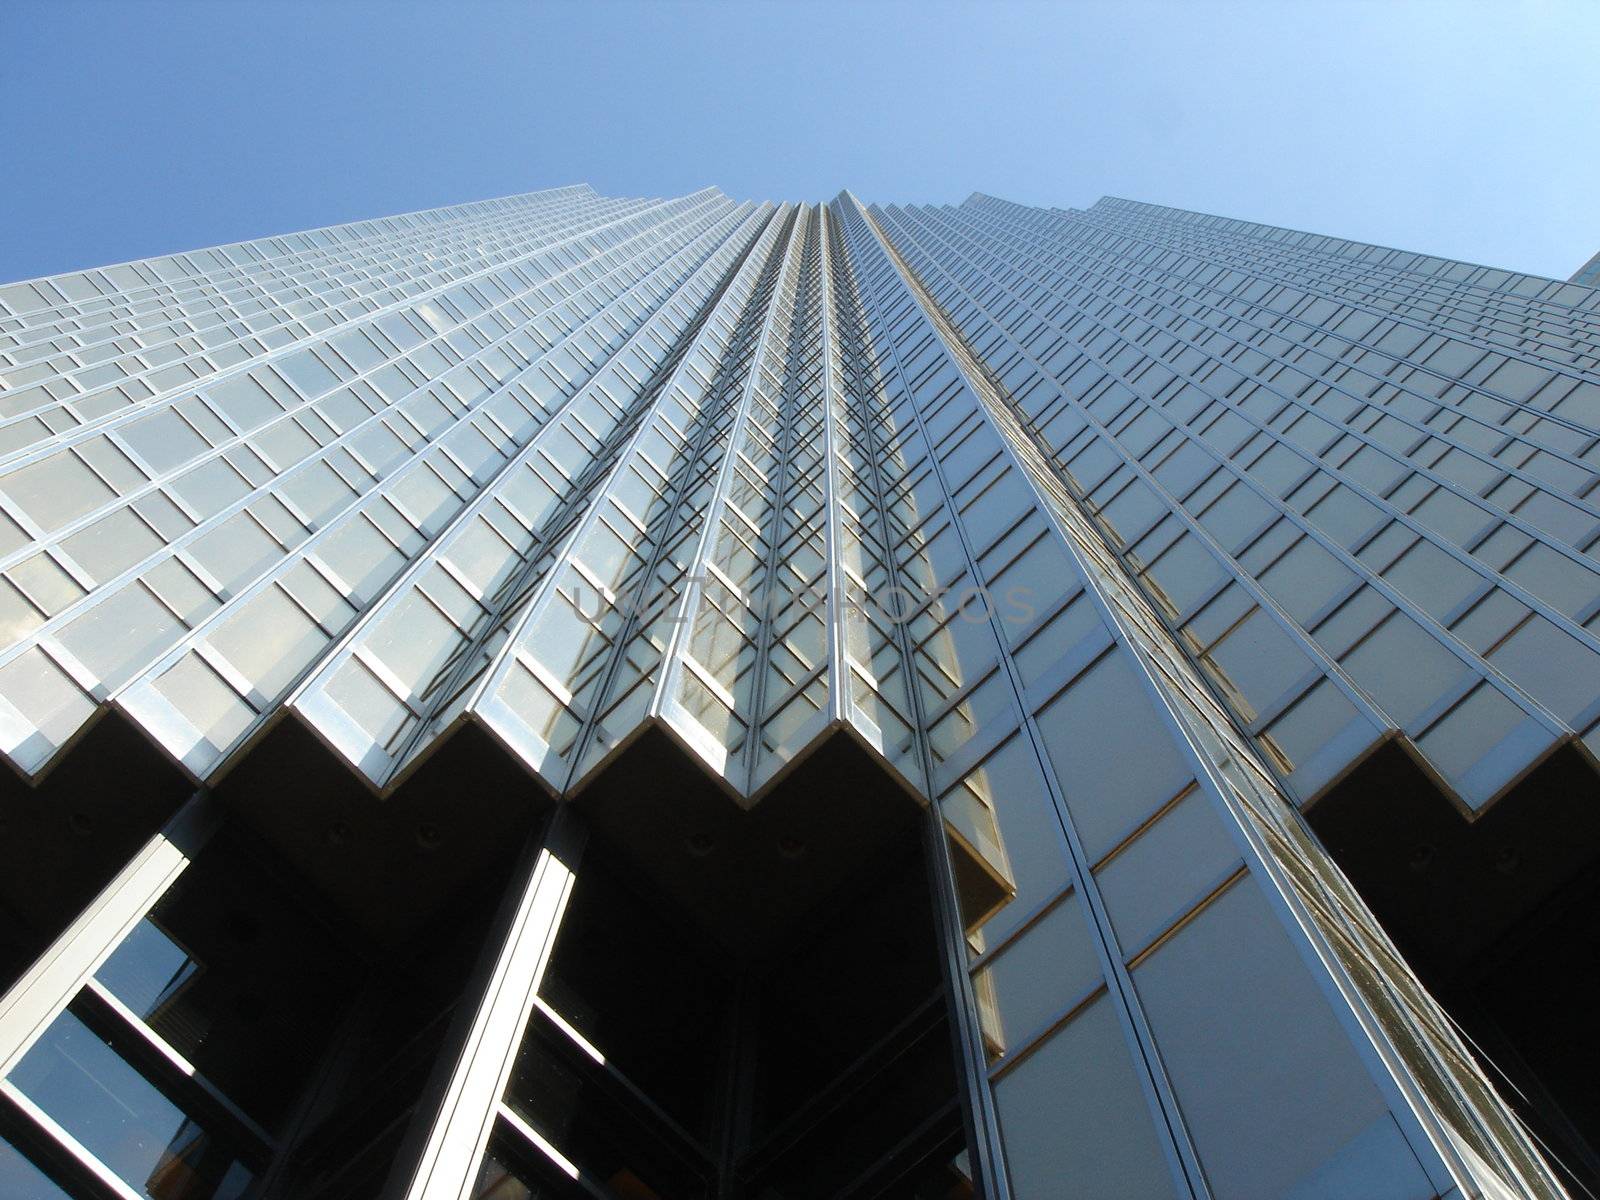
672, 396
1265, 826
677, 696
580, 424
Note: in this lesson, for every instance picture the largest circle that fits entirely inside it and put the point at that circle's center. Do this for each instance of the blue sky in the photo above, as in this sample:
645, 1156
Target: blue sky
136, 127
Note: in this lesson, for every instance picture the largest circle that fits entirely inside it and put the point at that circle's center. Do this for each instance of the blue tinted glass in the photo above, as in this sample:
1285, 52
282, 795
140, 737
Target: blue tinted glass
147, 970
21, 1180
103, 1101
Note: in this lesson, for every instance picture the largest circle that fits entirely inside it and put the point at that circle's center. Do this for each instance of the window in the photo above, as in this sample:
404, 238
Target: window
1116, 760
1075, 1120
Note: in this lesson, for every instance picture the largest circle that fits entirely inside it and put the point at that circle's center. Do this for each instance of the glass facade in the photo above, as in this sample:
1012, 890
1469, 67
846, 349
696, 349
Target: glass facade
1589, 273
585, 696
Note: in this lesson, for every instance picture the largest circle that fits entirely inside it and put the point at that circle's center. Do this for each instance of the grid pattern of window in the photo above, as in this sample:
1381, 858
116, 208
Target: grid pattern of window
1588, 274
1117, 535
1358, 525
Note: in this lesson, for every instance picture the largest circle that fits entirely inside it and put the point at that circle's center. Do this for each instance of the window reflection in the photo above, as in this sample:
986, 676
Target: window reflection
560, 1096
20, 1179
510, 1174
498, 1181
148, 970
233, 972
1050, 968
1074, 1119
99, 1097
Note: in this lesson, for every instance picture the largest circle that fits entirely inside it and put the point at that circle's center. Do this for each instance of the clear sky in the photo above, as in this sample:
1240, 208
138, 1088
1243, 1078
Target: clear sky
136, 127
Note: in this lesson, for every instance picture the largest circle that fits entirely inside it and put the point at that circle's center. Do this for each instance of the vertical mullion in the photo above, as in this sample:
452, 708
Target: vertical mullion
463, 1098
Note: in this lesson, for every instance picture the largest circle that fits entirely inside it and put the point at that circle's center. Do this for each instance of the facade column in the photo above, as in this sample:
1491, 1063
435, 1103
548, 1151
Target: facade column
49, 985
463, 1099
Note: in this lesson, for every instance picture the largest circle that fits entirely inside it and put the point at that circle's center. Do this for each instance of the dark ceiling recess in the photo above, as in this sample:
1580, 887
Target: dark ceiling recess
1499, 918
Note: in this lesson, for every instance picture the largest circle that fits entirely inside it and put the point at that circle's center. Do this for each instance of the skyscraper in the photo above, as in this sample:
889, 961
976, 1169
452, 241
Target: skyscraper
572, 696
1589, 273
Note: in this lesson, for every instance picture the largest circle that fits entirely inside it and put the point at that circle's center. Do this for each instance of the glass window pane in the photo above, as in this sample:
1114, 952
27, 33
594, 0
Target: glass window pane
148, 970
1009, 785
1048, 969
1166, 870
1309, 725
21, 1180
1114, 756
1075, 1121
1306, 580
77, 1078
1551, 666
1471, 730
511, 1171
1253, 1051
1182, 575
1403, 668
231, 971
1257, 662
564, 1099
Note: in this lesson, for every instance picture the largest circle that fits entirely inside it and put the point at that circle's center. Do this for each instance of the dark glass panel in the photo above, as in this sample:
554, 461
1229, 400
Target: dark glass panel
643, 988
594, 1122
236, 974
515, 1172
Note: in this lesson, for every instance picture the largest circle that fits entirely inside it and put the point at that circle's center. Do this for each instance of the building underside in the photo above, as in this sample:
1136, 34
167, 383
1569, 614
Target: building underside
584, 696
